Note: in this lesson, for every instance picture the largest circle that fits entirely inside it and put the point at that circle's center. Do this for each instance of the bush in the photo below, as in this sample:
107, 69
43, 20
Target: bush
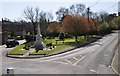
53, 34
68, 36
29, 38
104, 28
61, 37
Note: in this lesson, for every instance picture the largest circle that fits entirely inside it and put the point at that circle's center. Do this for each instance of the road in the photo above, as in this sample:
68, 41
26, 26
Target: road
3, 52
92, 59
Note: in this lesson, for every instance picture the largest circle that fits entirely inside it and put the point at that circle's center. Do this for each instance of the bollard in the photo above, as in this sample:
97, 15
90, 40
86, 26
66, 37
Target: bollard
10, 72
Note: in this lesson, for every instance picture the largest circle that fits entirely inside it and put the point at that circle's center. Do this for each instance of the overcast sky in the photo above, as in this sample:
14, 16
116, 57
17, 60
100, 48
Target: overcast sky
13, 9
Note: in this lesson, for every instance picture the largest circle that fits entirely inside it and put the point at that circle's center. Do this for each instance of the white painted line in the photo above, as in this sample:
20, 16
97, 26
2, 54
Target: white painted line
68, 61
105, 55
60, 62
75, 64
80, 55
75, 58
109, 66
92, 70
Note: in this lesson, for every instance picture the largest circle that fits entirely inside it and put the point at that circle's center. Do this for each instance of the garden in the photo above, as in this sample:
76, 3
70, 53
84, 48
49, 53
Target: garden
68, 42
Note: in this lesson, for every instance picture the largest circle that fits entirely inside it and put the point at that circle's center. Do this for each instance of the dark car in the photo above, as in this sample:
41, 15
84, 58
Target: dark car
12, 43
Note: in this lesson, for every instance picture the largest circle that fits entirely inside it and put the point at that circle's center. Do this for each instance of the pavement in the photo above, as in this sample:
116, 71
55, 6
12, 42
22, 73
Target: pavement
116, 61
4, 50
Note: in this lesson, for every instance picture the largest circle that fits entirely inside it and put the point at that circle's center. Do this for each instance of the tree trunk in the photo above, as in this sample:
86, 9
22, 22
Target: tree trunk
76, 38
91, 36
85, 37
34, 31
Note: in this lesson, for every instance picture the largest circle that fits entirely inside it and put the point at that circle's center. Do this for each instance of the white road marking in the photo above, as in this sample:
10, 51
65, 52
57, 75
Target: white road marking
109, 66
60, 62
65, 63
75, 64
92, 70
80, 55
75, 58
105, 55
68, 61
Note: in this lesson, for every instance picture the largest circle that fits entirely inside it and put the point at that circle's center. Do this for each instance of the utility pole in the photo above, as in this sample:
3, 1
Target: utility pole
88, 12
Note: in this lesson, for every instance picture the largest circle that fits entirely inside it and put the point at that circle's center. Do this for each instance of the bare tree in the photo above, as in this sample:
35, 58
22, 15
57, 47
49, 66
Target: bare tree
103, 15
32, 15
49, 17
43, 22
61, 12
77, 9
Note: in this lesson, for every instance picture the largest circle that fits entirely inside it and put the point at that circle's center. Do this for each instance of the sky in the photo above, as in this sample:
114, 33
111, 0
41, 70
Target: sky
13, 9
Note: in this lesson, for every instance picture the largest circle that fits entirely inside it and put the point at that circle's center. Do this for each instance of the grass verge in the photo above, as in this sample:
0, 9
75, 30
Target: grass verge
18, 50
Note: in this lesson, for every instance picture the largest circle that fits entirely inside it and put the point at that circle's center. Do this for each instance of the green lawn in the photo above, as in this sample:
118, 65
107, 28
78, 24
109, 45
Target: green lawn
67, 43
18, 50
57, 48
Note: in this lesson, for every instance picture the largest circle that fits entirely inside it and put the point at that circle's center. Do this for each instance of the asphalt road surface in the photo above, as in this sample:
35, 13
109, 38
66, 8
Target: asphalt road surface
92, 59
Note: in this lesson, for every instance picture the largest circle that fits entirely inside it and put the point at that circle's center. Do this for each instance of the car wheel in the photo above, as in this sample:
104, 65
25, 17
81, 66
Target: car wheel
17, 43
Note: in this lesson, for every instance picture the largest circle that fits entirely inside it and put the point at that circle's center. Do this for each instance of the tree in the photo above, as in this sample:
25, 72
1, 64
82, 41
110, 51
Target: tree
93, 26
36, 16
103, 28
43, 22
49, 17
75, 25
110, 17
32, 15
117, 22
112, 25
77, 9
61, 12
61, 36
103, 15
53, 28
12, 34
73, 9
118, 13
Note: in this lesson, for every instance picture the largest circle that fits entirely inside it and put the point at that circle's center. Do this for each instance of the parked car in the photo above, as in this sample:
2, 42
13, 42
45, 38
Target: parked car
12, 43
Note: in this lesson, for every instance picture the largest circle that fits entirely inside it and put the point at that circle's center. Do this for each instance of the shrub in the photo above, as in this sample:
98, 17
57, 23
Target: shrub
61, 36
103, 28
29, 38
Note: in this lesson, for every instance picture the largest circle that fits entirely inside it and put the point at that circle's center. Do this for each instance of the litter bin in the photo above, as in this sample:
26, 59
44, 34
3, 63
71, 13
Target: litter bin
10, 72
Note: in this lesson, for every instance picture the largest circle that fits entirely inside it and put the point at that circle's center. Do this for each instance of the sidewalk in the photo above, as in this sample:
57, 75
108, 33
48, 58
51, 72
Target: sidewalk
115, 62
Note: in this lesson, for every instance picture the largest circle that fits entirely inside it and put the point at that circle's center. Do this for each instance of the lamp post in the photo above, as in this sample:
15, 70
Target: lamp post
39, 45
